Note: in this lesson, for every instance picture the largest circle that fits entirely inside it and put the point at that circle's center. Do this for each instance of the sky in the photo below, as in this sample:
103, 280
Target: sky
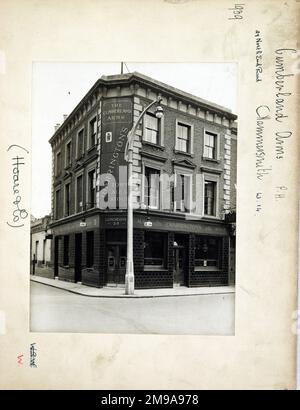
58, 87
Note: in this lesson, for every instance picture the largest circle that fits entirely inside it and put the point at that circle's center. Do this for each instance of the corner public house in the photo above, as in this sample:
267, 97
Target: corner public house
194, 141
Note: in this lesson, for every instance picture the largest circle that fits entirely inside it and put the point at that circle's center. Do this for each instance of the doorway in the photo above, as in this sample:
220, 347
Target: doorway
179, 266
56, 250
78, 257
180, 259
116, 263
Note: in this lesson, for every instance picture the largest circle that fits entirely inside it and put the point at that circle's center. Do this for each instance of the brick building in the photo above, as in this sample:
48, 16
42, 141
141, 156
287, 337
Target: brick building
41, 242
181, 236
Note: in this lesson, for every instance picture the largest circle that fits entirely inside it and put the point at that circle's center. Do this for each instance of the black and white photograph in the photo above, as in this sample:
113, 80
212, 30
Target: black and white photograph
134, 185
150, 198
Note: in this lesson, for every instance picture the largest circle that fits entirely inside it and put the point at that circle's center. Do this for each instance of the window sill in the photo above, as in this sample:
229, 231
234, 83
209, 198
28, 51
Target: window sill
89, 207
91, 148
188, 154
216, 161
187, 213
68, 216
145, 207
206, 269
210, 216
154, 268
151, 144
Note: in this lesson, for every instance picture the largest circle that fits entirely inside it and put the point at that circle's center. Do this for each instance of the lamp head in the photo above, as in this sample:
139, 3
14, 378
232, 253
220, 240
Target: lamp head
159, 112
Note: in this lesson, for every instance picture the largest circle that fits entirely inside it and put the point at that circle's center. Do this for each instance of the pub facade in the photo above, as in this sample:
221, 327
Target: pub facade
184, 171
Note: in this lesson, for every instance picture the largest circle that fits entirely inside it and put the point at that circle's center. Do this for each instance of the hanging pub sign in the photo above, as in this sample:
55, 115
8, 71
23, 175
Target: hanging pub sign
116, 122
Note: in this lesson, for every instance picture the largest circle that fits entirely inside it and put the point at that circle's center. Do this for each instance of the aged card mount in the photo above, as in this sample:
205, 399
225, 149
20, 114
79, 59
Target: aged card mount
262, 40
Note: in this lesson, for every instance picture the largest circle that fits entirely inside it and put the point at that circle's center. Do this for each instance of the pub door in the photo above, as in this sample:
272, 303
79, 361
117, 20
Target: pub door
179, 266
78, 256
56, 245
116, 264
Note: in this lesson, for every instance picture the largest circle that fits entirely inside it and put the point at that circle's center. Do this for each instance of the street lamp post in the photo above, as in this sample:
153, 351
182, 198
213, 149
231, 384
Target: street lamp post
129, 277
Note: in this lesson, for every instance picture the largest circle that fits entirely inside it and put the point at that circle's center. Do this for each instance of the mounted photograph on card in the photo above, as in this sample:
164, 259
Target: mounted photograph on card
134, 184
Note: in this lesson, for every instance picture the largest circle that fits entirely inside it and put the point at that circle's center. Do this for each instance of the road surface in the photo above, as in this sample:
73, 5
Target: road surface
56, 310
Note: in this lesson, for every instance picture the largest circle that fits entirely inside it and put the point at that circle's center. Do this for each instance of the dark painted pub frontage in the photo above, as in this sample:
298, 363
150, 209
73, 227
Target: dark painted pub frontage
172, 246
172, 252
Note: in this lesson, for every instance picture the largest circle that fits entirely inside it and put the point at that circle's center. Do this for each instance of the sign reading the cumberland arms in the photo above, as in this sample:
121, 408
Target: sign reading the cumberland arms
116, 122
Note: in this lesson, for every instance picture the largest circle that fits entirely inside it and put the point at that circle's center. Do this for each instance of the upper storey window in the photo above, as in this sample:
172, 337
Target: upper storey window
68, 153
152, 187
151, 129
210, 198
80, 143
58, 164
210, 145
184, 137
92, 132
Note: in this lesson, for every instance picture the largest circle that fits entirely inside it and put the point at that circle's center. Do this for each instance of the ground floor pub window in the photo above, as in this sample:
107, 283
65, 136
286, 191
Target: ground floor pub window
155, 250
208, 252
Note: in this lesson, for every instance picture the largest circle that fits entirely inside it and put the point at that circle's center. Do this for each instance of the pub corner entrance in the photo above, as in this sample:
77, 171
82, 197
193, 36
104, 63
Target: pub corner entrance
116, 253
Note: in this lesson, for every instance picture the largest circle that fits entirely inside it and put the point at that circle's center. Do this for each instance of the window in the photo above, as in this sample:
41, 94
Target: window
67, 199
80, 143
210, 145
183, 137
89, 249
151, 129
152, 187
182, 193
36, 250
208, 252
116, 235
92, 132
57, 204
79, 194
210, 198
91, 189
68, 153
66, 250
58, 164
44, 251
155, 250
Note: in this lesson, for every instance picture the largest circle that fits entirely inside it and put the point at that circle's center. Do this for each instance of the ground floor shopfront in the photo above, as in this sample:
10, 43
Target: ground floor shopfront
169, 250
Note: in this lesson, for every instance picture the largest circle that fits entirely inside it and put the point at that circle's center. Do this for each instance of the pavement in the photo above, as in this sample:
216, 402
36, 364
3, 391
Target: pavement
55, 310
119, 291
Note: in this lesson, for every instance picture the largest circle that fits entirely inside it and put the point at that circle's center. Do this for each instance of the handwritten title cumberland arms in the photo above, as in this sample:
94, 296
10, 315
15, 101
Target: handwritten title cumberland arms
19, 214
263, 113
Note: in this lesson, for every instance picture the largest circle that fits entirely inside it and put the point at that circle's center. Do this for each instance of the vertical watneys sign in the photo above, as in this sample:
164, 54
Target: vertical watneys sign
116, 122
